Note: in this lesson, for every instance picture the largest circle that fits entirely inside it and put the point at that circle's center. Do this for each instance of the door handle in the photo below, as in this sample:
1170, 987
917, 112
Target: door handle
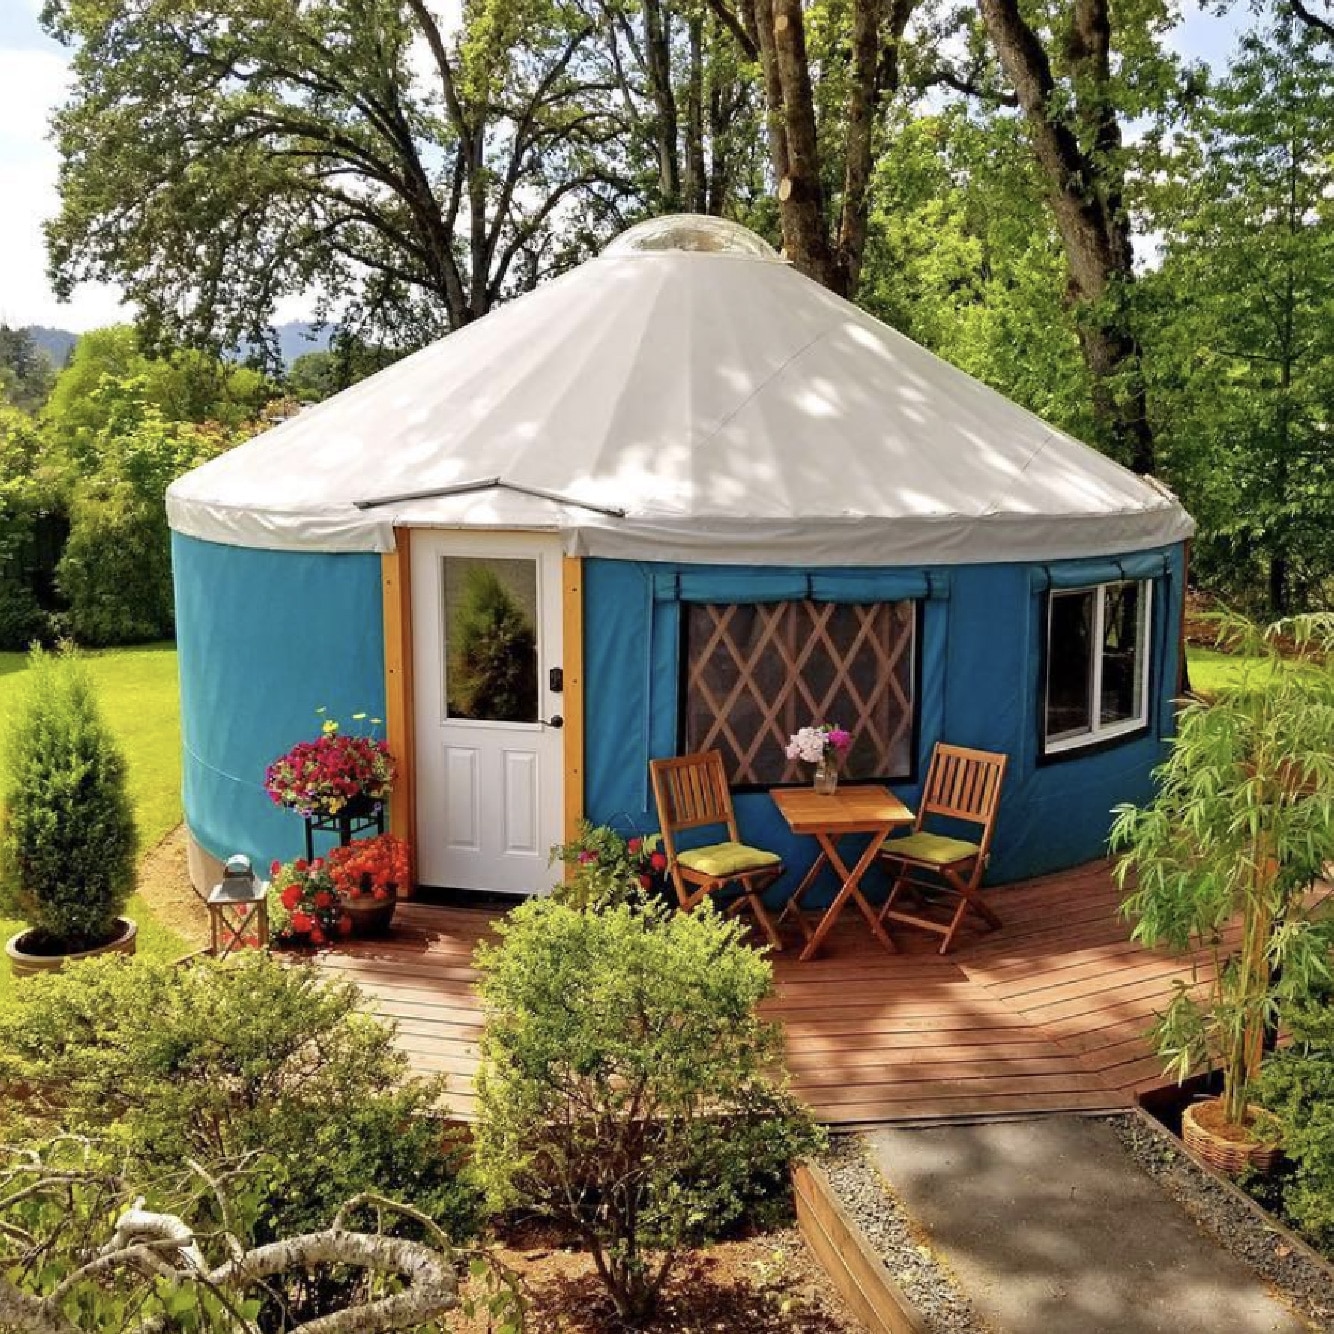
556, 721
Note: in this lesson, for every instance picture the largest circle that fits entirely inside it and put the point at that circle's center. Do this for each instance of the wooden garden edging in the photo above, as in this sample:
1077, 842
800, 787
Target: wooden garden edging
844, 1254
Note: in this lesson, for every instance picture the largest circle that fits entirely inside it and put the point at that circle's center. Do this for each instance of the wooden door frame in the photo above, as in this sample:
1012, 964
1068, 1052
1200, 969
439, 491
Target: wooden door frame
400, 721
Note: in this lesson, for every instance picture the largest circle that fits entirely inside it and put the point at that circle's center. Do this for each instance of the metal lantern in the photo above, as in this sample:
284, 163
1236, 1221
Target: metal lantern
237, 908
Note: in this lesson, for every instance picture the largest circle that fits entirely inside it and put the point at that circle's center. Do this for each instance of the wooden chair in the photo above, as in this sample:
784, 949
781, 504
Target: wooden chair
692, 793
961, 785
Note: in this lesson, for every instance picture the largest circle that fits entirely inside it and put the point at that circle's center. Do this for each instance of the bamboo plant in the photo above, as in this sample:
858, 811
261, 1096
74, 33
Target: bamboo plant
1234, 851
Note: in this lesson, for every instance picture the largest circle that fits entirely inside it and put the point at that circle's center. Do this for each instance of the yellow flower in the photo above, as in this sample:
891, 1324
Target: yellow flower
330, 727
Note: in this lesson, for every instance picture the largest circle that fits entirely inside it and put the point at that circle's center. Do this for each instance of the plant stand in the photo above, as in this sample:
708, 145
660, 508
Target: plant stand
358, 817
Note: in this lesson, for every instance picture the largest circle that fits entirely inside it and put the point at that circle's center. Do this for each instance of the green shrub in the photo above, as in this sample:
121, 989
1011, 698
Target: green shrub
1297, 1087
219, 1061
21, 617
625, 1090
22, 495
115, 572
607, 869
67, 842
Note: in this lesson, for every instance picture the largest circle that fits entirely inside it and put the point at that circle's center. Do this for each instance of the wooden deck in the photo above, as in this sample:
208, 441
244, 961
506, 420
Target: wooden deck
1048, 1014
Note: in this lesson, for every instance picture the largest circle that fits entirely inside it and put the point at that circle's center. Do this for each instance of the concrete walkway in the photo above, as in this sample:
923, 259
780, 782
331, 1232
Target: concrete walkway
1052, 1228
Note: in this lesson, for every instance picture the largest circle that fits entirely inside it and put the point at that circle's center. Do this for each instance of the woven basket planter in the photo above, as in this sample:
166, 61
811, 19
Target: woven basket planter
1231, 1157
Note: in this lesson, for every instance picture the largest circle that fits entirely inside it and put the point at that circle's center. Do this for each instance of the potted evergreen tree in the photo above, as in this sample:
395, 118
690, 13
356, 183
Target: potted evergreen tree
1228, 855
67, 835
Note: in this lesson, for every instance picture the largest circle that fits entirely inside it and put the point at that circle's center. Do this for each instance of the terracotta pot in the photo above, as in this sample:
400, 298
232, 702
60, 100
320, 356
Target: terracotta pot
23, 964
369, 916
1229, 1156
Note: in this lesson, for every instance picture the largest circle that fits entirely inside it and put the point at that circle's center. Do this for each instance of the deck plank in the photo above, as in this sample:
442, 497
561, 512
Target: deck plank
1048, 1014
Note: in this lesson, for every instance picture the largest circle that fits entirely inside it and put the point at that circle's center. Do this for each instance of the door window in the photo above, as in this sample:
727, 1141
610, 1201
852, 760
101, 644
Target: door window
490, 620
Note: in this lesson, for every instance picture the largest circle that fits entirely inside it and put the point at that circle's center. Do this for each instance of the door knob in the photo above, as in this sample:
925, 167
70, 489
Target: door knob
555, 721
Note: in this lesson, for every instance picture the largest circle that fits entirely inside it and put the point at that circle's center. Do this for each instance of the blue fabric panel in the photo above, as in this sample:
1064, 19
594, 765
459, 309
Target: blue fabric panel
733, 584
981, 656
265, 638
1105, 570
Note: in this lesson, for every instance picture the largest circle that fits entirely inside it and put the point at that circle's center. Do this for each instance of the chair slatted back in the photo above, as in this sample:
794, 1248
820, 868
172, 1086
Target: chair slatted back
964, 784
691, 792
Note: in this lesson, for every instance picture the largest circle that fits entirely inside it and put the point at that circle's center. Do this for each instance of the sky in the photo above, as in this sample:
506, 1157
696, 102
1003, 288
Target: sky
34, 79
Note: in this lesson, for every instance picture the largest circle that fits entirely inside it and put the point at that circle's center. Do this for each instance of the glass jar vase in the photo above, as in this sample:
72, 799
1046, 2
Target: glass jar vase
826, 775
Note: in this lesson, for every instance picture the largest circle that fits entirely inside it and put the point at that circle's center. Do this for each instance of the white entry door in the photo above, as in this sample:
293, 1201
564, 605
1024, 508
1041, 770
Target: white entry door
486, 635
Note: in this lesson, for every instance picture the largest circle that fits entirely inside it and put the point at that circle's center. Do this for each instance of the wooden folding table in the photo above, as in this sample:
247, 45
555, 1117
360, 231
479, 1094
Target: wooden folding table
871, 810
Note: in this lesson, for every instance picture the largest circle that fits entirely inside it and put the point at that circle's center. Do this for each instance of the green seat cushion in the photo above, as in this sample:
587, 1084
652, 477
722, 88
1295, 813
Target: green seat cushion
935, 849
723, 859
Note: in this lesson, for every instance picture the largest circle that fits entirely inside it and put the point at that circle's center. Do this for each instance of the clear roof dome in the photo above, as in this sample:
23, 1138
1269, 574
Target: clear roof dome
693, 232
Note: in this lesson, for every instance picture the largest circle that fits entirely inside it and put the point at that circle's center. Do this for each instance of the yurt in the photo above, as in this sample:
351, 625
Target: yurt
718, 503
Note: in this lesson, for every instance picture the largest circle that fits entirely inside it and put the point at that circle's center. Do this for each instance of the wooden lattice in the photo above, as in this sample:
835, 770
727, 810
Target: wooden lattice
756, 672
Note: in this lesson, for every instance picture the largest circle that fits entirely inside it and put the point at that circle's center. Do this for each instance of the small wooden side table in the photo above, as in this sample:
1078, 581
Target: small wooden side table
872, 810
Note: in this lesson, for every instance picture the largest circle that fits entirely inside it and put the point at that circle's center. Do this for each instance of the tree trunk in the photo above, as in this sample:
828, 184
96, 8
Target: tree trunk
696, 178
658, 58
1084, 189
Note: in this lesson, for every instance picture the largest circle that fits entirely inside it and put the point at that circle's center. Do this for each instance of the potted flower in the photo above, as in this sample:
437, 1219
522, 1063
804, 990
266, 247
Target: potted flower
339, 773
1241, 829
304, 908
367, 874
605, 868
824, 745
67, 833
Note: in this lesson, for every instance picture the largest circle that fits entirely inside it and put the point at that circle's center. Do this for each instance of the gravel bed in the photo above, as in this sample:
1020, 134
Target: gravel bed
901, 1243
1305, 1286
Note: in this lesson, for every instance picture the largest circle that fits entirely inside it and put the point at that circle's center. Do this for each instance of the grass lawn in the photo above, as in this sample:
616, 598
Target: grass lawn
1211, 671
137, 690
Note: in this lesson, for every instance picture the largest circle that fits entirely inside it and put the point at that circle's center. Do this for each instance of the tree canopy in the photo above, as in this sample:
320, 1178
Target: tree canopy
1038, 190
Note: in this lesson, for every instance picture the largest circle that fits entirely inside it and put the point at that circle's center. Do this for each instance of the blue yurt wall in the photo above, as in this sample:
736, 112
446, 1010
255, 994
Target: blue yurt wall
981, 654
265, 638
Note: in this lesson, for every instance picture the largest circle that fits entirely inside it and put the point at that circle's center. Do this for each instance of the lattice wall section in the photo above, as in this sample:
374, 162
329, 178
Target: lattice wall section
755, 673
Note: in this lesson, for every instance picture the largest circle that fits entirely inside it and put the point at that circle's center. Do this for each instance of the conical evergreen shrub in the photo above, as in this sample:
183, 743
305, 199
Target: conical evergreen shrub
67, 835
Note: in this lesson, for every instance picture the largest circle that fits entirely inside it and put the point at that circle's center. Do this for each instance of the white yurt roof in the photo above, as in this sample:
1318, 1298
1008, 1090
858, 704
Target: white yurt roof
685, 396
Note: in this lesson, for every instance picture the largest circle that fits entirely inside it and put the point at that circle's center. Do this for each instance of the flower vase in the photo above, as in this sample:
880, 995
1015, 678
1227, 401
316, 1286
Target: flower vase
826, 775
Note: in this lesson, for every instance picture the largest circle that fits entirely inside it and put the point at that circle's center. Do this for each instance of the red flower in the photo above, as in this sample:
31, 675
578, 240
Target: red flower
303, 923
634, 845
290, 897
645, 882
658, 861
379, 892
275, 867
317, 936
324, 899
301, 866
587, 856
344, 926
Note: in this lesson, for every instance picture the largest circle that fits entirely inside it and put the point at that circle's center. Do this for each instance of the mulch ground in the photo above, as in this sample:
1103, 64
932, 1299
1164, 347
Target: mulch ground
164, 884
766, 1284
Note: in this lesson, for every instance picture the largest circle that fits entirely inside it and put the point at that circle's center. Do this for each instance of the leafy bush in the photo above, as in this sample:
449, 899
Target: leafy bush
625, 1090
116, 569
22, 495
606, 868
115, 572
216, 1062
1297, 1088
67, 843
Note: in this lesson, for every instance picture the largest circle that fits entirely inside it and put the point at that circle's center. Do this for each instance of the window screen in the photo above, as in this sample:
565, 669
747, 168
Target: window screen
755, 673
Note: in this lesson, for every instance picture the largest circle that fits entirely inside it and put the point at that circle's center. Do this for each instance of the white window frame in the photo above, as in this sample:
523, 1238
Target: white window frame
1098, 730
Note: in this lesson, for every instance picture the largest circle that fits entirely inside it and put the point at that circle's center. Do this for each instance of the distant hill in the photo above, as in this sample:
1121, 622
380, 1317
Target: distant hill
56, 343
295, 338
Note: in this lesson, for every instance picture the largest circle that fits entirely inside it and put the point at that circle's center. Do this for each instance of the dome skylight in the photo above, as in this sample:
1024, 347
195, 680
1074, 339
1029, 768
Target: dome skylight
693, 232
